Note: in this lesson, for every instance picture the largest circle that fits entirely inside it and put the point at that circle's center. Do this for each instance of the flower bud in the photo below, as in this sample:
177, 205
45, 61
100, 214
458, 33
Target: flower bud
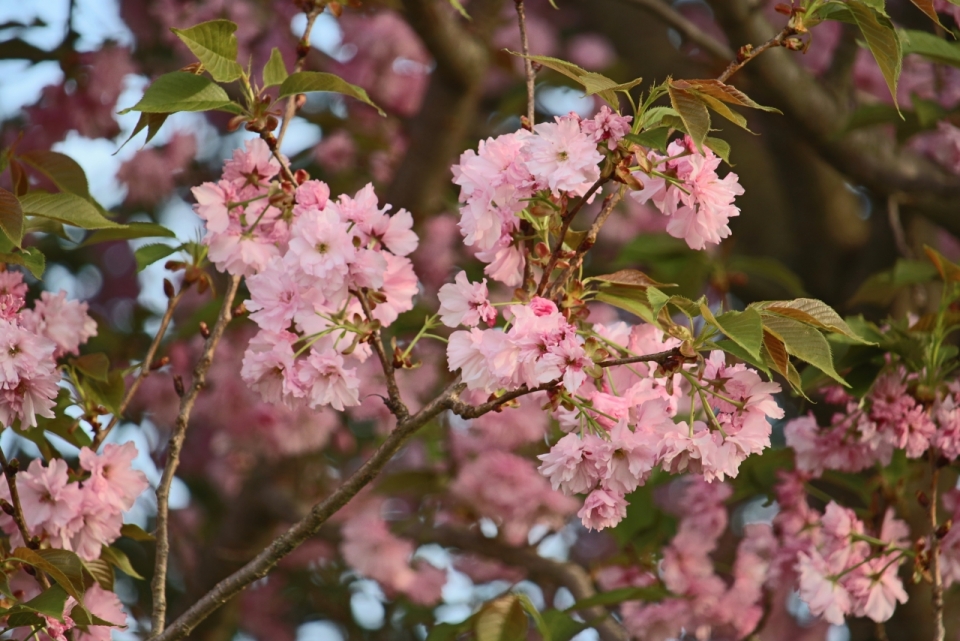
235, 123
168, 288
944, 529
178, 385
204, 330
300, 101
6, 507
301, 176
922, 499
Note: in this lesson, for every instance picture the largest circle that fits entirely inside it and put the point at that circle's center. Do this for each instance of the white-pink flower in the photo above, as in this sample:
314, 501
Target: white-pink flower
602, 509
562, 157
327, 382
63, 321
567, 467
465, 303
112, 478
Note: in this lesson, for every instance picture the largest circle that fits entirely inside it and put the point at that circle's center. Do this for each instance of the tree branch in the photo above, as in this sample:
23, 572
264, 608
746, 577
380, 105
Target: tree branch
570, 575
527, 63
303, 48
449, 107
660, 358
145, 366
686, 27
937, 578
394, 403
159, 583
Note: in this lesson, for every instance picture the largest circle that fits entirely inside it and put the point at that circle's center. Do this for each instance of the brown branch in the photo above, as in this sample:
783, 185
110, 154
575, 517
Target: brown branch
527, 63
686, 27
660, 358
570, 575
463, 410
748, 53
937, 578
448, 111
394, 401
158, 585
303, 48
867, 156
309, 525
145, 366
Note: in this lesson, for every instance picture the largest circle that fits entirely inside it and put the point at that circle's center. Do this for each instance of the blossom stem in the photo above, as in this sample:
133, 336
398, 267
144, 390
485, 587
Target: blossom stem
159, 583
428, 323
145, 365
659, 357
303, 48
748, 54
394, 402
10, 473
527, 63
939, 632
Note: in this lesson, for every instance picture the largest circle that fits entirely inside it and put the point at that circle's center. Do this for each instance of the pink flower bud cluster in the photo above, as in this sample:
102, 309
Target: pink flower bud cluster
31, 340
701, 599
306, 264
868, 432
82, 515
684, 185
610, 461
558, 158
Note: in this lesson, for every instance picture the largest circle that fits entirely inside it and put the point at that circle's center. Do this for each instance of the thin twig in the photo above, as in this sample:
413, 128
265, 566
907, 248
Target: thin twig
686, 27
939, 632
10, 472
159, 582
394, 401
748, 53
527, 63
896, 226
660, 358
303, 48
145, 365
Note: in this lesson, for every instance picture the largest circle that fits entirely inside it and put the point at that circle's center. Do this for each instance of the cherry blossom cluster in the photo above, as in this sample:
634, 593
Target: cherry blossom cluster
701, 600
101, 603
867, 432
841, 570
81, 515
560, 159
684, 185
375, 552
609, 460
308, 261
32, 340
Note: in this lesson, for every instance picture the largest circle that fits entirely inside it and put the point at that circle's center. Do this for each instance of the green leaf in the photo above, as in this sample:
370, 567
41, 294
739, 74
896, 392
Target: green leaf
882, 40
804, 342
812, 312
66, 208
615, 597
116, 557
719, 147
634, 302
96, 366
149, 254
730, 347
630, 278
502, 619
274, 72
62, 424
136, 533
11, 216
5, 585
215, 45
593, 83
931, 47
534, 613
182, 91
108, 393
926, 6
83, 616
743, 328
101, 572
880, 289
50, 603
459, 7
31, 258
448, 631
562, 626
724, 92
308, 81
130, 230
653, 116
692, 112
152, 122
63, 170
723, 110
63, 566
655, 138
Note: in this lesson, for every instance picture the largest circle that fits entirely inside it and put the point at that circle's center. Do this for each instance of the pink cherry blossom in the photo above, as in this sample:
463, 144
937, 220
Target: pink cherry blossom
608, 126
602, 509
64, 322
566, 466
562, 157
112, 479
327, 382
466, 303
